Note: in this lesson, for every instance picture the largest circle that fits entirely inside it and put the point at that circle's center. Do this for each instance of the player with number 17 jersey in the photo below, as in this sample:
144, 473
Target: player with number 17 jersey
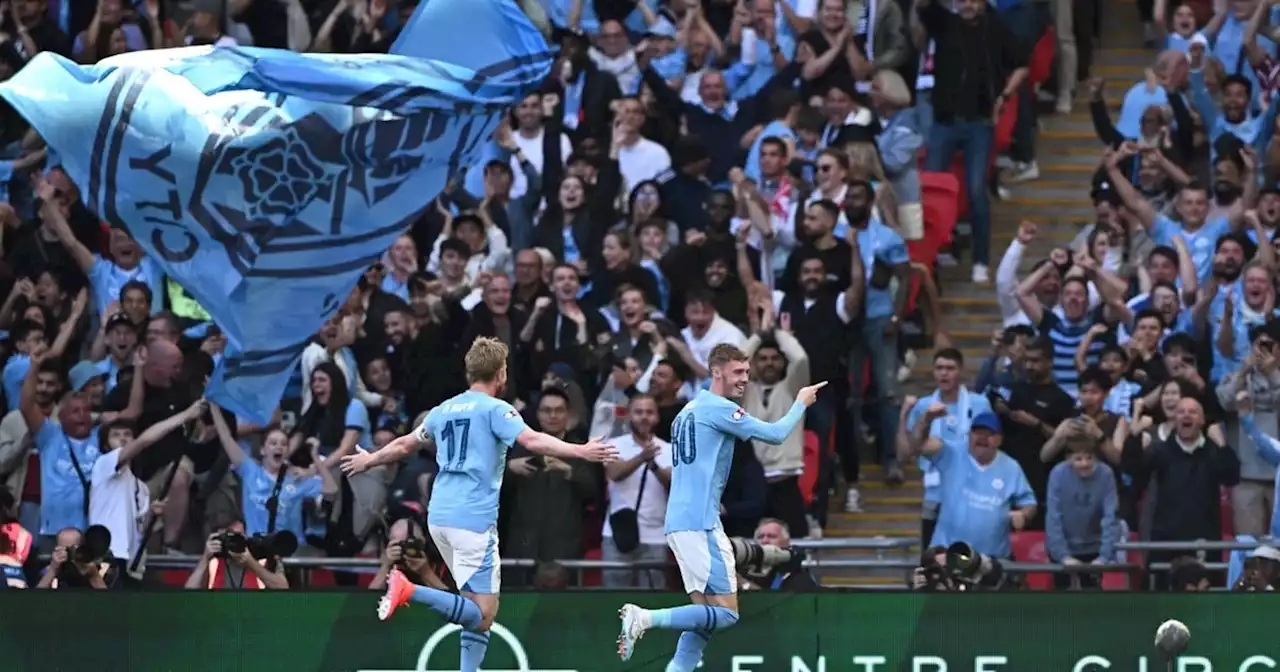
472, 432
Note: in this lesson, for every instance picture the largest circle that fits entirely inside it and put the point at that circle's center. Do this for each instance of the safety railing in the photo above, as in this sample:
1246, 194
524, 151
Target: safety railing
891, 553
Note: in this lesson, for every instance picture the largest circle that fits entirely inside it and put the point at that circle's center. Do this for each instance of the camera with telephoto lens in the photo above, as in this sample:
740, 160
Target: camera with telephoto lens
85, 557
280, 544
935, 575
971, 569
756, 558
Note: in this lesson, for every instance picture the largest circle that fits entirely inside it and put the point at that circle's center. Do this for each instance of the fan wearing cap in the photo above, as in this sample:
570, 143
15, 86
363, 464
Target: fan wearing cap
120, 338
88, 378
984, 493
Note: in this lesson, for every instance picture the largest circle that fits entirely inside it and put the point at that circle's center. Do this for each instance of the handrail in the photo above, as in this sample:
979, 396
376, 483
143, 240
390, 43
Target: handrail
1199, 545
190, 561
873, 543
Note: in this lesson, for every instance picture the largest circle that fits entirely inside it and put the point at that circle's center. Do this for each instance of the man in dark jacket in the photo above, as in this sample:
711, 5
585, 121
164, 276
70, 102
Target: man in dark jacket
1190, 470
979, 67
585, 91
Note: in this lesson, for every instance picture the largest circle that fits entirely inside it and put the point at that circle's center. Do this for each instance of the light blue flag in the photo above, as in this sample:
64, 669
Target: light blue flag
265, 182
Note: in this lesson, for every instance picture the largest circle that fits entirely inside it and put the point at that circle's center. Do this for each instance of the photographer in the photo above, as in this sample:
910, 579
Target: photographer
931, 575
790, 576
228, 564
1256, 571
959, 568
71, 567
409, 550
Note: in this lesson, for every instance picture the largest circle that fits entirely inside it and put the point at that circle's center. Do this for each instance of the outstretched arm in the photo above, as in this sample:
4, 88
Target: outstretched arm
742, 426
772, 433
395, 451
545, 444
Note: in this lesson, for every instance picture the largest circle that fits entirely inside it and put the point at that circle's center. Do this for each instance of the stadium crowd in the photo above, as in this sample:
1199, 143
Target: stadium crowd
693, 173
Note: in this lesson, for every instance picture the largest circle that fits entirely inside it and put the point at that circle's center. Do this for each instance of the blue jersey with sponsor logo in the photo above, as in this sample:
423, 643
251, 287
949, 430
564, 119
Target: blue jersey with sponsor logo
702, 440
472, 432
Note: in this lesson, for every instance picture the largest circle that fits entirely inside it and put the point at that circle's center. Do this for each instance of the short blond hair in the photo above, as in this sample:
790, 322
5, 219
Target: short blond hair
485, 359
723, 354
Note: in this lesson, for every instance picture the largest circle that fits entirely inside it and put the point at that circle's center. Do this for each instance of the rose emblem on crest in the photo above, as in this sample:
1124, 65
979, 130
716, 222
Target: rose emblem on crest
281, 176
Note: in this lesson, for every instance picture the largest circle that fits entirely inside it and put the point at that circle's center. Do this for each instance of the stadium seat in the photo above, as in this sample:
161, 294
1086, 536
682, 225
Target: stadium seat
1029, 547
812, 459
1041, 64
321, 578
1118, 580
939, 197
591, 577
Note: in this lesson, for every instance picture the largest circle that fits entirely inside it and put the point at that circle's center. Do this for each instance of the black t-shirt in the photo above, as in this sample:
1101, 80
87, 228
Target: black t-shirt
158, 404
268, 22
666, 416
838, 74
837, 259
204, 455
1048, 403
47, 37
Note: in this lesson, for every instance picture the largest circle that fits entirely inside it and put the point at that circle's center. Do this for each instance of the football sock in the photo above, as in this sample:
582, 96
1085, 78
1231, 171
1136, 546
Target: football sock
694, 617
474, 645
454, 608
689, 651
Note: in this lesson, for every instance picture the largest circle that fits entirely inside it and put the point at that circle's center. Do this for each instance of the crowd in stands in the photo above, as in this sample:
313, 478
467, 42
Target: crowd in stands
695, 173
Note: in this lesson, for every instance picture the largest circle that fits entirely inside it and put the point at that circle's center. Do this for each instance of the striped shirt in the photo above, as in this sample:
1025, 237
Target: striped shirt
1066, 337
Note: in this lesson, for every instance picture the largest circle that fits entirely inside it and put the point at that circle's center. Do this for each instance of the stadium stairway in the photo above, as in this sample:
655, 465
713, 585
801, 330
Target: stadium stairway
1058, 202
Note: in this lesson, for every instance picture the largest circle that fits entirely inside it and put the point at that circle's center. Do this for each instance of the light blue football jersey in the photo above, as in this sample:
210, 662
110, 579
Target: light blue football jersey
472, 432
702, 438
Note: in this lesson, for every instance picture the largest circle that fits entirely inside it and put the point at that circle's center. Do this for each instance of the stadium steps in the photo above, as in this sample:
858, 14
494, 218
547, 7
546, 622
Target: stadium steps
1068, 152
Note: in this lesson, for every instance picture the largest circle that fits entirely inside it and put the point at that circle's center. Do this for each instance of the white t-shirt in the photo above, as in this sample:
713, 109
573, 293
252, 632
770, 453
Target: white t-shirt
652, 513
532, 149
720, 331
118, 501
642, 161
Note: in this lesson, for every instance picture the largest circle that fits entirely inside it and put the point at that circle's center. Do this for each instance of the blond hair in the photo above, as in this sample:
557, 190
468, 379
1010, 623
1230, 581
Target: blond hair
893, 88
723, 354
486, 358
864, 161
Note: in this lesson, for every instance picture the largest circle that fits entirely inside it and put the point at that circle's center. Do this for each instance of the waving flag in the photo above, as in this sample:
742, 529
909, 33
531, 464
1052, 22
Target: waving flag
265, 182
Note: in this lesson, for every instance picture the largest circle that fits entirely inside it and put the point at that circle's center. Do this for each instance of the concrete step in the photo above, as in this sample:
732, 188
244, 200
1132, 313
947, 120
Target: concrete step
1068, 154
871, 499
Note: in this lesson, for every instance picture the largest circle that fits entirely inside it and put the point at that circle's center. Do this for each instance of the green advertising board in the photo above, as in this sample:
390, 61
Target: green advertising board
575, 632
